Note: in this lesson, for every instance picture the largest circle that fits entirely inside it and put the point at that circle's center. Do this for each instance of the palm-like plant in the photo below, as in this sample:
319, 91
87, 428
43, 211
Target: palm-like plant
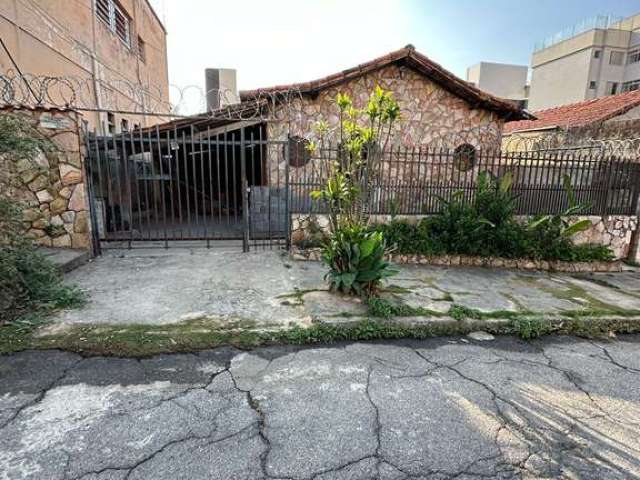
560, 222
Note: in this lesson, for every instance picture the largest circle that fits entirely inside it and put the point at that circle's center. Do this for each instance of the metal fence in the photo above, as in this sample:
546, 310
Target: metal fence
413, 181
163, 187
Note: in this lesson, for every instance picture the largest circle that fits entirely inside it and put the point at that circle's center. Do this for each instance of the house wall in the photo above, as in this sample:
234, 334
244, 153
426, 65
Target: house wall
622, 127
561, 73
63, 38
51, 188
430, 115
500, 79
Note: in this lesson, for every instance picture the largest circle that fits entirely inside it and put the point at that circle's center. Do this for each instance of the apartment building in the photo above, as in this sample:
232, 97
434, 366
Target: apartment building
598, 57
107, 58
502, 80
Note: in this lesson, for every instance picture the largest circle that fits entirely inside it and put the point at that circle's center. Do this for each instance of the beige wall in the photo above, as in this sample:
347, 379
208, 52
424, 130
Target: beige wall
500, 79
561, 73
562, 81
65, 38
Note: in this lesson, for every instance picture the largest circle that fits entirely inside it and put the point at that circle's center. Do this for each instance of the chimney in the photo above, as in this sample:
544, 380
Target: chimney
221, 89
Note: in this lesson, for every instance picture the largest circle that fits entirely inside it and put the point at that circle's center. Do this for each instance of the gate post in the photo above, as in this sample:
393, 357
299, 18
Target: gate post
245, 192
89, 140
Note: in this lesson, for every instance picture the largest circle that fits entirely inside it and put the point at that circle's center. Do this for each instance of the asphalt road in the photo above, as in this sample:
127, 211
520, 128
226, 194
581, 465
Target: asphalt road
439, 409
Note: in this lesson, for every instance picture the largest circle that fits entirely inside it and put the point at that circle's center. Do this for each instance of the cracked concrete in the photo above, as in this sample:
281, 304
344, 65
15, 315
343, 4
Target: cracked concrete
266, 290
441, 409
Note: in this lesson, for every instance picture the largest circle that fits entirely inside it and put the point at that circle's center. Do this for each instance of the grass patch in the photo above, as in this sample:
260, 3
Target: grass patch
144, 341
296, 298
383, 308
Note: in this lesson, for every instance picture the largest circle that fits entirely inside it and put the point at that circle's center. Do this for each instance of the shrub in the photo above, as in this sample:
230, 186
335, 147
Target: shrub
30, 282
355, 258
487, 226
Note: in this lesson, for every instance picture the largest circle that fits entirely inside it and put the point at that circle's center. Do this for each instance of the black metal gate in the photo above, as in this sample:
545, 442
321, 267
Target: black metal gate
170, 186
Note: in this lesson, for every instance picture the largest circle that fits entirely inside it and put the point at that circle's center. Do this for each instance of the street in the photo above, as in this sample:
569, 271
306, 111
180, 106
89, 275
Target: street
438, 409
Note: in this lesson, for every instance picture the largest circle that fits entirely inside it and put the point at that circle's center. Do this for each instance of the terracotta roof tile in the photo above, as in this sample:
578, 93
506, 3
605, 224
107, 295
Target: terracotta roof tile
578, 114
415, 60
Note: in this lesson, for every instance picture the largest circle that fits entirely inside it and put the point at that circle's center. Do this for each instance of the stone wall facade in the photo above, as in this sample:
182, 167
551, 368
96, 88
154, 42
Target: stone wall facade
615, 231
51, 187
430, 115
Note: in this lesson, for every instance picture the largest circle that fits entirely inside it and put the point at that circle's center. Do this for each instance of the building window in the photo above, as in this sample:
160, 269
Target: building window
596, 54
634, 56
111, 13
464, 157
630, 86
616, 58
124, 125
299, 154
111, 123
612, 88
592, 85
142, 50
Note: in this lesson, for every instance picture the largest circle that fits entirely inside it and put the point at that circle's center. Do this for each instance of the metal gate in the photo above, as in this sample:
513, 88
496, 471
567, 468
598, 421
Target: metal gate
208, 187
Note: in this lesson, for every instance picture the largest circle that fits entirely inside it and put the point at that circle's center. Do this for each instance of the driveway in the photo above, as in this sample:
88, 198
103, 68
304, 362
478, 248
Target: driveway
440, 409
267, 289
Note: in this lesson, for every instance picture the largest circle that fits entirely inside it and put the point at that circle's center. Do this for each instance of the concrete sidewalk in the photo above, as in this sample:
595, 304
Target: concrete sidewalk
440, 409
267, 289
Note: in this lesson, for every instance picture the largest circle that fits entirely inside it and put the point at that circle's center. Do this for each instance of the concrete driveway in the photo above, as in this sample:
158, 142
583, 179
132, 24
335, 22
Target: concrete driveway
440, 409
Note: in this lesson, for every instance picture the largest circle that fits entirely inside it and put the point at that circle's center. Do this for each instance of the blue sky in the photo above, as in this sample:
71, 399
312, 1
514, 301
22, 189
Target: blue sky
463, 32
282, 41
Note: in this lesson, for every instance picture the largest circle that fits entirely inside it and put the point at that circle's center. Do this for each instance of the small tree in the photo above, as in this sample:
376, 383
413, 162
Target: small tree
354, 255
363, 135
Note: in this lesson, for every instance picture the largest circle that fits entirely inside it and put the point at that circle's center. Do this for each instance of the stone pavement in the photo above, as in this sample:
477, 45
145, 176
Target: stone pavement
439, 409
266, 289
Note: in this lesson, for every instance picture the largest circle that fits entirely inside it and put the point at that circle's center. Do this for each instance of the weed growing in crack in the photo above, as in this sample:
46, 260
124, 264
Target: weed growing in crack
383, 308
530, 328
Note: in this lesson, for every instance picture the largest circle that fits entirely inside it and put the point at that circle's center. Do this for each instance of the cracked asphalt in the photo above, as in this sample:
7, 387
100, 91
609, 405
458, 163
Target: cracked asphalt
439, 409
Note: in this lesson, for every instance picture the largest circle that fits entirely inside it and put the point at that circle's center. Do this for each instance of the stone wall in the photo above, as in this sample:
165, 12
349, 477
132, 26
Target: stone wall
315, 255
51, 187
430, 115
615, 231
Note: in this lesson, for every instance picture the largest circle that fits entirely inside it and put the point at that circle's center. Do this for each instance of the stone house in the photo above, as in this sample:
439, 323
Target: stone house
437, 107
438, 110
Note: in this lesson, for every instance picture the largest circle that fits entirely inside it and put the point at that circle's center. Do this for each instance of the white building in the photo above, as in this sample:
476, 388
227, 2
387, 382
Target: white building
596, 58
501, 79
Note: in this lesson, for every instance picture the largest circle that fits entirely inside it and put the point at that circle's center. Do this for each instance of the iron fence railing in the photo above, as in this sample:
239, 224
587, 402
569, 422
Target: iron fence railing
414, 181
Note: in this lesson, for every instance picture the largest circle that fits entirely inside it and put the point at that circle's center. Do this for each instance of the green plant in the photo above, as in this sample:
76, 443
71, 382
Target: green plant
383, 308
30, 285
531, 328
351, 174
486, 226
559, 223
355, 258
29, 282
460, 312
